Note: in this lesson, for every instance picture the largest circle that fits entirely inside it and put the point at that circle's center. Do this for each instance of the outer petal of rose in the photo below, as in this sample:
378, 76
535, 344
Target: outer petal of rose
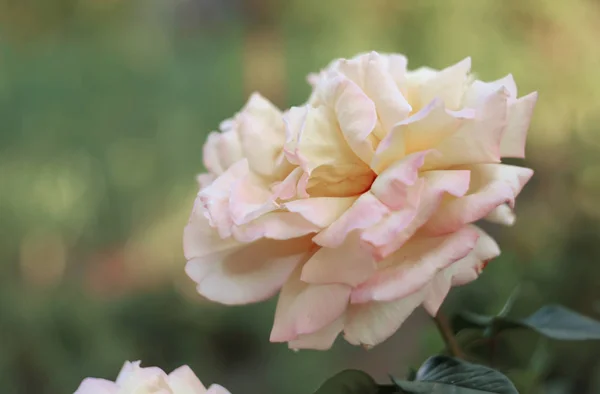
396, 66
215, 197
321, 211
291, 187
393, 186
202, 240
249, 200
355, 112
437, 184
372, 323
411, 268
262, 135
447, 84
469, 268
97, 386
519, 117
422, 131
365, 212
502, 214
306, 308
476, 140
369, 72
275, 225
349, 264
205, 179
492, 185
249, 273
456, 213
320, 340
484, 174
217, 389
479, 90
210, 155
461, 272
184, 381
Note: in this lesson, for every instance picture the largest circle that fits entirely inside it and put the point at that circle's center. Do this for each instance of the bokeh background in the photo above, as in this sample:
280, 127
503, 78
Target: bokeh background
105, 105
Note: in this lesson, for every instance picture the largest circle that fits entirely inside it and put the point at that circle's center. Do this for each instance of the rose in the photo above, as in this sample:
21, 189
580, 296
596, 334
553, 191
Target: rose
365, 211
134, 379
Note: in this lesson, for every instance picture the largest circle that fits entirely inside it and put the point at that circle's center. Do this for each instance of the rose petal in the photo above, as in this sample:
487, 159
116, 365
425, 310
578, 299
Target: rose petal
321, 211
412, 267
216, 389
249, 272
492, 186
262, 135
365, 212
275, 225
393, 186
97, 386
519, 118
305, 308
437, 184
320, 340
349, 264
448, 84
476, 140
420, 132
370, 73
372, 323
183, 380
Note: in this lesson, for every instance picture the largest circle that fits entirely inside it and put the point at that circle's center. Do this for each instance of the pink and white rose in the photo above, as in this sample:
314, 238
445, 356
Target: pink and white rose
134, 379
358, 206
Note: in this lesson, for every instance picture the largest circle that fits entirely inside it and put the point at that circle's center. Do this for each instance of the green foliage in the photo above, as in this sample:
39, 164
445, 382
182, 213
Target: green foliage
446, 375
552, 321
349, 382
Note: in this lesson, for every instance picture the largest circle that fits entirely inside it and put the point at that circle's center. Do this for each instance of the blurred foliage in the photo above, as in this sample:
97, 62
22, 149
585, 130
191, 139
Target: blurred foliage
105, 104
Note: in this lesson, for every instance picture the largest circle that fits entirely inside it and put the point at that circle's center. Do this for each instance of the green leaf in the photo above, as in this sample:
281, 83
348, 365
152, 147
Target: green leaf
447, 375
552, 321
349, 382
557, 322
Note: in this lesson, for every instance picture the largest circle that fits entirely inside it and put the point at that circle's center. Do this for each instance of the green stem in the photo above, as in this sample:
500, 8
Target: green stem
443, 325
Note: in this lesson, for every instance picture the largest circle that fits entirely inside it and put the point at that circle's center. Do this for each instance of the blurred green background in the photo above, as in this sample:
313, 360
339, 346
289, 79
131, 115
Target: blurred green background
105, 105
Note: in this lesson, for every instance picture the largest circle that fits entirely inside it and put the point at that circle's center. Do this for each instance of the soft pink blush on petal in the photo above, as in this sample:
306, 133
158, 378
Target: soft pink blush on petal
275, 225
421, 131
305, 308
492, 186
349, 264
365, 212
476, 140
356, 115
392, 186
461, 272
250, 273
321, 211
437, 184
469, 268
320, 340
202, 240
414, 265
372, 323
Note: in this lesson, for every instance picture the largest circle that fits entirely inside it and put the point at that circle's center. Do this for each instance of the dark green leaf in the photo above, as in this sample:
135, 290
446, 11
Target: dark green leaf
446, 375
349, 382
552, 321
557, 322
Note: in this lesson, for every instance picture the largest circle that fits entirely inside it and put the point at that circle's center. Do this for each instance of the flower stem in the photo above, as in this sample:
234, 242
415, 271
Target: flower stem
443, 325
